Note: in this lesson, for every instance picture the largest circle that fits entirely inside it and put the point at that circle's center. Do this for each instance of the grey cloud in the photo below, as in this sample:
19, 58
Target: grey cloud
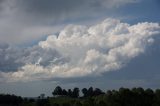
56, 10
12, 58
79, 51
62, 9
1, 3
50, 6
8, 57
24, 20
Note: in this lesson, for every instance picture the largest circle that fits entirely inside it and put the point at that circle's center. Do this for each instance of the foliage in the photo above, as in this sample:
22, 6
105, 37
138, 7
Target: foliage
10, 99
91, 97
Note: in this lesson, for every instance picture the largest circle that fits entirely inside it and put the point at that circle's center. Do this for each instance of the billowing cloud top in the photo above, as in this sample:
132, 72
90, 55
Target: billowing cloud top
79, 51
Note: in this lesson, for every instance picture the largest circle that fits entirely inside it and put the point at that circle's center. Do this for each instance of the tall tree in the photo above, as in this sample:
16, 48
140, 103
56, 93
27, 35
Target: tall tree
57, 91
90, 91
84, 91
69, 92
75, 92
64, 92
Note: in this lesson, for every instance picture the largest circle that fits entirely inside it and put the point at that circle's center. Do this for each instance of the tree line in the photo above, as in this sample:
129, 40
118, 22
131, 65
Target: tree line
58, 91
10, 99
90, 97
122, 97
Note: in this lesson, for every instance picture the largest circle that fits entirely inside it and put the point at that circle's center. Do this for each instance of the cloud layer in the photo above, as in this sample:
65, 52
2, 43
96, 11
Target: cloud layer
79, 51
25, 20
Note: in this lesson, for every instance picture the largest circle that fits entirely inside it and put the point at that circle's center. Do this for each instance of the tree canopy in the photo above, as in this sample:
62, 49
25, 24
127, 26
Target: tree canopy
90, 97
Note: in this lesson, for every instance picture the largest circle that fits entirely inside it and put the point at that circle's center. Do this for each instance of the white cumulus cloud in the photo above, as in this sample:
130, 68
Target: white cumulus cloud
79, 51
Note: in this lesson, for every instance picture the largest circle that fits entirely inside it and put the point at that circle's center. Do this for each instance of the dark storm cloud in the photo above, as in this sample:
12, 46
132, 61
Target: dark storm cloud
1, 5
52, 10
62, 9
1, 2
23, 21
51, 6
57, 10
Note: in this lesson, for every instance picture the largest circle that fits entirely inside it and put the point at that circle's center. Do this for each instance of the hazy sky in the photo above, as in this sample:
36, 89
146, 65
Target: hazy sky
78, 43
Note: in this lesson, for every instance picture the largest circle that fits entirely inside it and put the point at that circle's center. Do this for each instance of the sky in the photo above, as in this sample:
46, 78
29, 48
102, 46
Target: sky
78, 43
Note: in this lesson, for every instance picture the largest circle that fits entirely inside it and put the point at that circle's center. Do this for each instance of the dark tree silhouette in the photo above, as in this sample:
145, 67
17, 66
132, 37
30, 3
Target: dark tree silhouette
90, 91
97, 92
96, 97
64, 92
156, 101
69, 92
6, 99
57, 91
75, 93
84, 91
